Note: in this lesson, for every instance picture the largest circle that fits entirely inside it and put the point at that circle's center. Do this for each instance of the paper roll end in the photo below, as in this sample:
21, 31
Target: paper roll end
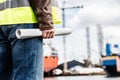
18, 33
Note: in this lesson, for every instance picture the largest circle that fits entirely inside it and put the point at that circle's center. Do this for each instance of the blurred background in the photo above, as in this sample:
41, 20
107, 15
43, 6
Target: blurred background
94, 23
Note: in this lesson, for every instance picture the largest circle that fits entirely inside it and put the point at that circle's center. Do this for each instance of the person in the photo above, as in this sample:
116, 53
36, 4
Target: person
22, 59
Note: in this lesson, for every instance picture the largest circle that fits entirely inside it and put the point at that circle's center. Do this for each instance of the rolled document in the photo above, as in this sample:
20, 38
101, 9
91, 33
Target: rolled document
30, 33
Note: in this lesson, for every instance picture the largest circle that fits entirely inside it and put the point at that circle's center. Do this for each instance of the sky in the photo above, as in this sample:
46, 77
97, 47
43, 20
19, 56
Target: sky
106, 13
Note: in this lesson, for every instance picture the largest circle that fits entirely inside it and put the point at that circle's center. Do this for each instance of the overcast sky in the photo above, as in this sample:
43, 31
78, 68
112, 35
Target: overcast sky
103, 12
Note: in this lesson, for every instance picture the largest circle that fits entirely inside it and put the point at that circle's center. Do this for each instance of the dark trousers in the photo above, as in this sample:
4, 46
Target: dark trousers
20, 59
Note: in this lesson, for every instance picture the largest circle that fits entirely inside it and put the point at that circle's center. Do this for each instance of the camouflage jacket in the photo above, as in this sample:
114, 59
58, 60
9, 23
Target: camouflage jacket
43, 12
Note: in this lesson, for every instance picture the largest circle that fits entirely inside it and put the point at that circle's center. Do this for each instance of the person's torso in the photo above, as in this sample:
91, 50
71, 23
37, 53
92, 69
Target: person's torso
16, 11
19, 11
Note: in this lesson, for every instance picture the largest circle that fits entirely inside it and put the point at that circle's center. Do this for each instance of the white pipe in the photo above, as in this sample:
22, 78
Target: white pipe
30, 33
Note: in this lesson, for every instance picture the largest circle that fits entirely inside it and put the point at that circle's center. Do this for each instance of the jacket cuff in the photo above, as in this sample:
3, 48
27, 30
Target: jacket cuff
45, 27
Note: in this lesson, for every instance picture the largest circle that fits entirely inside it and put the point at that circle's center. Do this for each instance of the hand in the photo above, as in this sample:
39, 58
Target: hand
46, 34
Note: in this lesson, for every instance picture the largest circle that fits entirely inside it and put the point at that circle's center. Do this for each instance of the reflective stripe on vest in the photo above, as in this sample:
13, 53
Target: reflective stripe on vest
13, 4
18, 11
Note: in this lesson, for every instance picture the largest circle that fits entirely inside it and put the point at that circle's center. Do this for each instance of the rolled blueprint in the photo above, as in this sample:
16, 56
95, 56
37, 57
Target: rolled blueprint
30, 33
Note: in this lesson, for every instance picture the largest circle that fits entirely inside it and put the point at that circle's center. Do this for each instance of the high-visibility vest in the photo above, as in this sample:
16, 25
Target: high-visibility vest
19, 11
56, 12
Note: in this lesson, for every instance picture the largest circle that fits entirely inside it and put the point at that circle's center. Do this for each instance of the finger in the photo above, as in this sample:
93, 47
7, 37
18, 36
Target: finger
47, 34
44, 34
51, 35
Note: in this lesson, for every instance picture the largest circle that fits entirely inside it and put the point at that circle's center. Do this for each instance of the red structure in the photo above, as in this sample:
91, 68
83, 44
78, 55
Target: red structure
50, 62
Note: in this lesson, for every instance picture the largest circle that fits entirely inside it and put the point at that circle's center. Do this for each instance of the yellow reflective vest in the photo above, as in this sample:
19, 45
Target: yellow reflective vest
13, 13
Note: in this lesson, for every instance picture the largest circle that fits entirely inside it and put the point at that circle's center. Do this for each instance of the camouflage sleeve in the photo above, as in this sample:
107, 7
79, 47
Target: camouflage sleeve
43, 12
